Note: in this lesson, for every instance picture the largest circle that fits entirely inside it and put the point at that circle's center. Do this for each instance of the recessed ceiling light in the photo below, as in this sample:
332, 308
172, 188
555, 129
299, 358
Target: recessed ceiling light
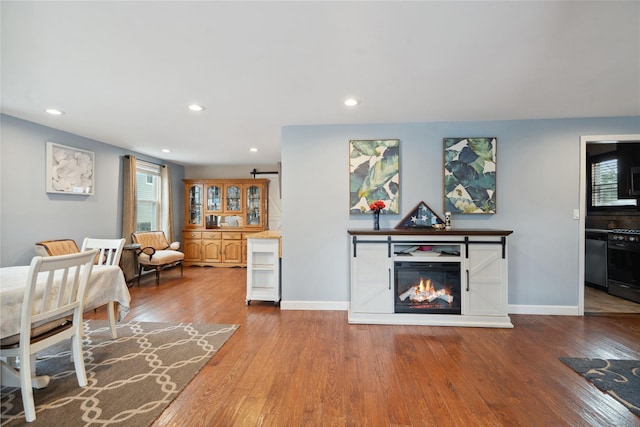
253, 149
166, 150
196, 107
54, 111
351, 102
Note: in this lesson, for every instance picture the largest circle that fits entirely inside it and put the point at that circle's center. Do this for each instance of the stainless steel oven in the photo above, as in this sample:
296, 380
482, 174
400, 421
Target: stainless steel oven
623, 264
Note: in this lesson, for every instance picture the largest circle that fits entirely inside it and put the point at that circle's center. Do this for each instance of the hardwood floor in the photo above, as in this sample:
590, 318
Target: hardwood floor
597, 302
311, 368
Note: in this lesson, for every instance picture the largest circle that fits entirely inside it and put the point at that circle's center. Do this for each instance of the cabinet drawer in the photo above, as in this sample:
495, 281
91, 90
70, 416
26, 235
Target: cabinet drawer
248, 235
231, 235
191, 235
211, 235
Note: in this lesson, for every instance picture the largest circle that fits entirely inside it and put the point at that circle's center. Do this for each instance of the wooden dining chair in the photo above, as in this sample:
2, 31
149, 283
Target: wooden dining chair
110, 252
50, 314
110, 249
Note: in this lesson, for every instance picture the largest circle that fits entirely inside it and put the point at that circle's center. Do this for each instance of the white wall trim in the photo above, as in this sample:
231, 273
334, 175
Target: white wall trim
548, 310
315, 305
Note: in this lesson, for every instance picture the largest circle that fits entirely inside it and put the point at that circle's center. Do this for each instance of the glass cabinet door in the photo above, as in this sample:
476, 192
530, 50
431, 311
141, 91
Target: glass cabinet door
234, 199
214, 198
254, 210
194, 205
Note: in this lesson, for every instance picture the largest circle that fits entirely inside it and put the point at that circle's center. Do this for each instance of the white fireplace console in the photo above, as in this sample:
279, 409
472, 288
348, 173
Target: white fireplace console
482, 256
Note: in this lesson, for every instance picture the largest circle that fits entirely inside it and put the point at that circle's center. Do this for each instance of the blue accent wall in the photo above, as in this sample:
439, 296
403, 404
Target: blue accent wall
538, 174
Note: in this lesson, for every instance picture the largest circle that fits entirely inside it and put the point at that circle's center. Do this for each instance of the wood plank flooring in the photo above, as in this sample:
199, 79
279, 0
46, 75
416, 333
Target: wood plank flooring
311, 368
597, 302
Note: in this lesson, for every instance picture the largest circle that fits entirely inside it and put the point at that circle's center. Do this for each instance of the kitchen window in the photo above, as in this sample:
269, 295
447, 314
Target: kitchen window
604, 184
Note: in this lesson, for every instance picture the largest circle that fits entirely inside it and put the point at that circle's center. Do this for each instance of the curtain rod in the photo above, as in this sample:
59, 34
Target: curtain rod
147, 161
255, 172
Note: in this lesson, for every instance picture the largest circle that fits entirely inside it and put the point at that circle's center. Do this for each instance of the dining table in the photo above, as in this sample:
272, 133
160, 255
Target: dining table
106, 284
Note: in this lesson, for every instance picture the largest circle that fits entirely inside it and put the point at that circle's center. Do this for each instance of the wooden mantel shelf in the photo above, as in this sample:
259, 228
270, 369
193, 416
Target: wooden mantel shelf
428, 232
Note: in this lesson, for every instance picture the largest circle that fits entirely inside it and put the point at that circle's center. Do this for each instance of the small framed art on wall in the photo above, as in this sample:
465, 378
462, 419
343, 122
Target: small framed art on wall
69, 170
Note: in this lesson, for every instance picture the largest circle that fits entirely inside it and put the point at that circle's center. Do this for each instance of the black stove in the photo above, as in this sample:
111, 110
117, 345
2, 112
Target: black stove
625, 231
623, 263
625, 235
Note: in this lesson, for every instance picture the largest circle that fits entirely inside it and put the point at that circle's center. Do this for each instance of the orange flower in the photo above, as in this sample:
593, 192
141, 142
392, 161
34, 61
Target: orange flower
377, 206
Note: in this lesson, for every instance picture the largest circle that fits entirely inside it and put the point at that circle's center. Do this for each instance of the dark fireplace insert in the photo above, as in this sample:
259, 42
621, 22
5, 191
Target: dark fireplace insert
427, 287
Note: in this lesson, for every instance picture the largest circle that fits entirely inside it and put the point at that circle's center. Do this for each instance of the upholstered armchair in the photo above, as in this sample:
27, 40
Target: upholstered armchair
156, 253
56, 247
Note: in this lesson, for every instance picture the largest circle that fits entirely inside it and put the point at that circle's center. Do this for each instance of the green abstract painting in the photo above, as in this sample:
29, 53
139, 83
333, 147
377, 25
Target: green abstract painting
374, 174
470, 175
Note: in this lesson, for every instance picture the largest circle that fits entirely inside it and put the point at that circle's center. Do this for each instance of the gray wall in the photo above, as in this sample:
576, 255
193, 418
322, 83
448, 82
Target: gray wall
28, 214
537, 190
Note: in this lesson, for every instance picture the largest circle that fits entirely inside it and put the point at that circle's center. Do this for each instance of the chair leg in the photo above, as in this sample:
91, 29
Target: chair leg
157, 276
32, 359
25, 386
78, 359
139, 273
111, 310
181, 271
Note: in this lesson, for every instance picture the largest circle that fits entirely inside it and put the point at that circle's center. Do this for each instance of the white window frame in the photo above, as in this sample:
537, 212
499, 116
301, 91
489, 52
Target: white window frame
149, 169
604, 194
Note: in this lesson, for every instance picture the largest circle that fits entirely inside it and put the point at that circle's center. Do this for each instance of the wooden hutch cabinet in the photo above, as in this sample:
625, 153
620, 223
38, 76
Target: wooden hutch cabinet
220, 214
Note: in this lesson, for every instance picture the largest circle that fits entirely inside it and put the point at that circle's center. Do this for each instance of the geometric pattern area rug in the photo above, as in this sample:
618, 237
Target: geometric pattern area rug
131, 379
618, 378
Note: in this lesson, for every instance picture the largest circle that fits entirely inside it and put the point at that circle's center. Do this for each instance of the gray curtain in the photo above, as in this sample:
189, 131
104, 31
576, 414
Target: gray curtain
129, 212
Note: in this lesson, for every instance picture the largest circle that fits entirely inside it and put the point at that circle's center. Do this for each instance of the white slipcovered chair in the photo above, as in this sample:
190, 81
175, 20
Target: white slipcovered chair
48, 320
110, 252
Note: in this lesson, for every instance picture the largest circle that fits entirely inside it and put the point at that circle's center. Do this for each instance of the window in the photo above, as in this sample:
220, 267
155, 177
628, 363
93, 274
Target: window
148, 187
604, 184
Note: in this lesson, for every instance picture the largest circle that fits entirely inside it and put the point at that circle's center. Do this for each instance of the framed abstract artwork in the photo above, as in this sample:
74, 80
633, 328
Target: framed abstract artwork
69, 170
470, 175
374, 174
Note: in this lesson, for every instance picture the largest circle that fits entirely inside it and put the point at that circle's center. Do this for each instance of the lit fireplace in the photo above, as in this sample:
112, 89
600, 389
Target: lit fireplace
427, 287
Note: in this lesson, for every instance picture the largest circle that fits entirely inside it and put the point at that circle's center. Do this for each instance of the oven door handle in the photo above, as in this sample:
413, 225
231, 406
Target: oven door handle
623, 247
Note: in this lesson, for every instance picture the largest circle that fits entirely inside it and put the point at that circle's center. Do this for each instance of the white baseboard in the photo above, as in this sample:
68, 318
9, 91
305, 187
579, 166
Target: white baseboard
549, 310
315, 305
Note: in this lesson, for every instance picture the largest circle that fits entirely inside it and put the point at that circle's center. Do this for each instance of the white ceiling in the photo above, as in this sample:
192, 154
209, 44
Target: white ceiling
124, 72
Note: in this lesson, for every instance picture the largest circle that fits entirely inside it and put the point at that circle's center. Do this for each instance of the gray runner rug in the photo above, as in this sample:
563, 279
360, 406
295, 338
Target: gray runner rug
618, 378
131, 379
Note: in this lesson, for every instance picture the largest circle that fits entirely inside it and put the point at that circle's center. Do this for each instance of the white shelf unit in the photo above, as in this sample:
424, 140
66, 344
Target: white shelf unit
263, 270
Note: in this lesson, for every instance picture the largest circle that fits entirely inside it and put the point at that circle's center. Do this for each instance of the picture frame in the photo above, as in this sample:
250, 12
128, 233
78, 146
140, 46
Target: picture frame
421, 217
470, 175
374, 174
69, 170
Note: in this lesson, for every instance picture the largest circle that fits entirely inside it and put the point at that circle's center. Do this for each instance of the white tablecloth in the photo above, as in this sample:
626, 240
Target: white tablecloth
106, 283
